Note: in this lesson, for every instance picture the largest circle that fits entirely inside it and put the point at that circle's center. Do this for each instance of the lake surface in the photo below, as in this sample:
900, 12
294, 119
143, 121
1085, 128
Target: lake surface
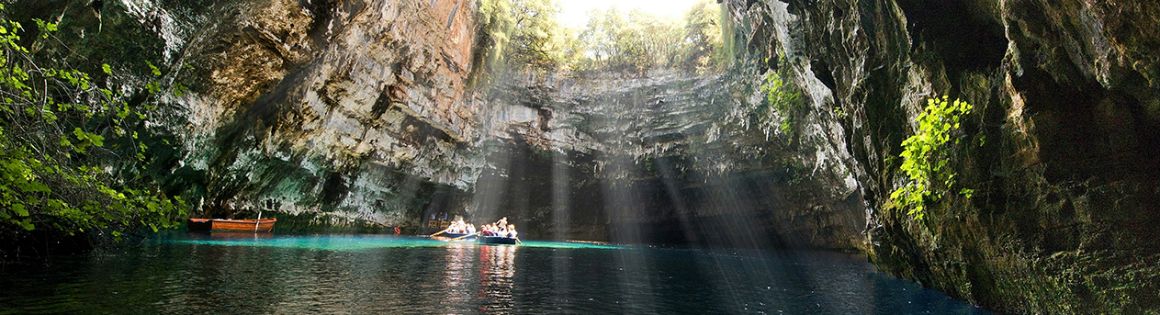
199, 274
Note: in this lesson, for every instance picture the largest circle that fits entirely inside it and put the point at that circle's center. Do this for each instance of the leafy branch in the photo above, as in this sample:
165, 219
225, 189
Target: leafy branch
927, 154
65, 138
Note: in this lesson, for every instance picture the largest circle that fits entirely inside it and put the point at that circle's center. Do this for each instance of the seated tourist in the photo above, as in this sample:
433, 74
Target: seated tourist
511, 231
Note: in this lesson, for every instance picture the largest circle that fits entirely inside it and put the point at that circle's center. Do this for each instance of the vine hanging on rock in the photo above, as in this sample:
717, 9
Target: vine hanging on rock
926, 156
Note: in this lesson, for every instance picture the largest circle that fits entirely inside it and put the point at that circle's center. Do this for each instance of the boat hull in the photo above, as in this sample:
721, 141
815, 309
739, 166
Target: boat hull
263, 225
200, 224
452, 235
497, 240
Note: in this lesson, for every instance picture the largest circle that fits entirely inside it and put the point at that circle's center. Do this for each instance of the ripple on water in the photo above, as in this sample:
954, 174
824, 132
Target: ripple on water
215, 274
353, 242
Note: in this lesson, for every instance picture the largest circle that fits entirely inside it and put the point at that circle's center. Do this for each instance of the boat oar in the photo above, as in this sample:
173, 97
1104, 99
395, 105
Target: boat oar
461, 237
259, 221
518, 241
440, 232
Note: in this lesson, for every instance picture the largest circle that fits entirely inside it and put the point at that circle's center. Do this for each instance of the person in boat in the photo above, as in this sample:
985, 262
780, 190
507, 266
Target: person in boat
471, 229
460, 226
451, 227
511, 231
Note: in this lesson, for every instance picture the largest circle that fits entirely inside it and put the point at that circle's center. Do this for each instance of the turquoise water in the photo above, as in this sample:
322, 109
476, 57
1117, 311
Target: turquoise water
375, 274
358, 242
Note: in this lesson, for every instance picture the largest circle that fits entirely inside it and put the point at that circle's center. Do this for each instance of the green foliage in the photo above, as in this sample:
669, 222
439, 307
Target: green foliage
927, 154
704, 30
630, 43
66, 143
727, 52
783, 98
522, 35
636, 42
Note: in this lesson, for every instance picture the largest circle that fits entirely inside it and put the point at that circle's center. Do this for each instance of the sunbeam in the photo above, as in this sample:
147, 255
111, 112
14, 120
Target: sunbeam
579, 156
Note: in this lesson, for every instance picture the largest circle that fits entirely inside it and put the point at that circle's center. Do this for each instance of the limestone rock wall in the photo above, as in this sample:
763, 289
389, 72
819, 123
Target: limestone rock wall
356, 110
1063, 139
667, 157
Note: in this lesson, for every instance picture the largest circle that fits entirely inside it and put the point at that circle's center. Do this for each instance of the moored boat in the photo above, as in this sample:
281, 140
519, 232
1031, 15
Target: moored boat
498, 240
241, 225
200, 224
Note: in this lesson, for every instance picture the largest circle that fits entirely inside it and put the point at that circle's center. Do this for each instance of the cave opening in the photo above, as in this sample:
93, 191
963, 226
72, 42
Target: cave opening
597, 156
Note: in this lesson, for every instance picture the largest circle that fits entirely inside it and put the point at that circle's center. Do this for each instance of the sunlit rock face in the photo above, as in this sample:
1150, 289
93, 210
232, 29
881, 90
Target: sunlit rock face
359, 111
1064, 155
669, 157
351, 110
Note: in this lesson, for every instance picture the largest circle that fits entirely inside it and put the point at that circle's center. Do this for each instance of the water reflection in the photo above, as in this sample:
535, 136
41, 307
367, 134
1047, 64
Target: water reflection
457, 275
296, 276
217, 235
497, 277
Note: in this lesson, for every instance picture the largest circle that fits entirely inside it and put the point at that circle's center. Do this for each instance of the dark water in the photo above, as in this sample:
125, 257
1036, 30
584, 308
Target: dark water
391, 275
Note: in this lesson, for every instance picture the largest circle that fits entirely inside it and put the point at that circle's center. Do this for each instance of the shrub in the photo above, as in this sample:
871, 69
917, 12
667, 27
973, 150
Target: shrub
781, 97
927, 154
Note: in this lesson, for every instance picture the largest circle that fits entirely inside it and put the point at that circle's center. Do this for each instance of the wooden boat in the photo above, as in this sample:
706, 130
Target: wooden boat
200, 224
242, 225
452, 235
497, 240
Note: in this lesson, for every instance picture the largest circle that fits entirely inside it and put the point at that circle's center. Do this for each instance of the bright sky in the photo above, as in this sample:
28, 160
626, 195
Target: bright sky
574, 13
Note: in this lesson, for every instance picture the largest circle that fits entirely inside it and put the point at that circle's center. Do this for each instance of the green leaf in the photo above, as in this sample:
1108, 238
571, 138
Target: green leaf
19, 210
27, 225
107, 69
153, 69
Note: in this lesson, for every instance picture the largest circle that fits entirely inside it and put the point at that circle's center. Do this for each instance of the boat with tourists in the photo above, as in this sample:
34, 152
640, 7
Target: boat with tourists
491, 233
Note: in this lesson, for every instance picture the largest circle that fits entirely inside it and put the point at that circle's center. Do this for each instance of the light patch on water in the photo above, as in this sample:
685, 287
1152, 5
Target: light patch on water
358, 242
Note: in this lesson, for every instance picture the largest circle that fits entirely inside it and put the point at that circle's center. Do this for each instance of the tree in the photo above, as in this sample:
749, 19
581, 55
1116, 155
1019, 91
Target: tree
521, 35
703, 32
71, 145
637, 42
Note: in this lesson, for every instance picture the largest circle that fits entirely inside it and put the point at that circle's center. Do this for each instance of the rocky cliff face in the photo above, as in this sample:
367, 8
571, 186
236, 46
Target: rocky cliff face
349, 110
1064, 156
670, 157
358, 112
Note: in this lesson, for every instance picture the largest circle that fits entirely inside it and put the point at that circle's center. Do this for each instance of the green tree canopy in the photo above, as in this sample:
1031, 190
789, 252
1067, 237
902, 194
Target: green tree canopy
523, 35
520, 35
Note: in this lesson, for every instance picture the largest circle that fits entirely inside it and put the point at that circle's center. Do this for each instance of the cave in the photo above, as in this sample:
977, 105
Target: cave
548, 156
